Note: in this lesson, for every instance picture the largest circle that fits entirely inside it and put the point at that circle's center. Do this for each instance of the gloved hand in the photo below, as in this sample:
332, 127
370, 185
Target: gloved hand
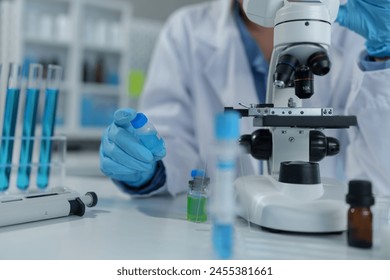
123, 157
370, 19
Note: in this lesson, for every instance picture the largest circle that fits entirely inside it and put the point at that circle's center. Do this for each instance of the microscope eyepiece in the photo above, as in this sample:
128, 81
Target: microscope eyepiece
319, 63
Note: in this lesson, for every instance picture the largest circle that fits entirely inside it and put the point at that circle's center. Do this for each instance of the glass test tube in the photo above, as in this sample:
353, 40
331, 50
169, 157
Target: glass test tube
30, 114
9, 124
54, 75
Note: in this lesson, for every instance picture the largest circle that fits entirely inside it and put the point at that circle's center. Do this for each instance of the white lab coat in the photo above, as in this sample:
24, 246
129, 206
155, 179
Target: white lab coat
200, 66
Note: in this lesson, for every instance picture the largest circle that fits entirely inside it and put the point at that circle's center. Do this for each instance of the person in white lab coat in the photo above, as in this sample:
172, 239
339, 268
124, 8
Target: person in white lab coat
209, 56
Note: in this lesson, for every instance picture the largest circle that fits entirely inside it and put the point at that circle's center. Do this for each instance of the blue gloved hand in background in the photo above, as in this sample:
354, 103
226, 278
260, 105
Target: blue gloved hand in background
370, 19
123, 157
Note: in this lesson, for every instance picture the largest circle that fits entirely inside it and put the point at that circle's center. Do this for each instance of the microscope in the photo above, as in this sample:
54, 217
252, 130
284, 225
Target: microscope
292, 196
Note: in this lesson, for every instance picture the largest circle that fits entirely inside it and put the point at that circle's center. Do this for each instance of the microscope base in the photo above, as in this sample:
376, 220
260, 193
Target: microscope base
262, 202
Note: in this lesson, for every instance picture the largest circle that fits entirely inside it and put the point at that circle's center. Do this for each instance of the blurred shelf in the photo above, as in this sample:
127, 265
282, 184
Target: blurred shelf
47, 42
113, 50
97, 50
64, 32
84, 134
100, 89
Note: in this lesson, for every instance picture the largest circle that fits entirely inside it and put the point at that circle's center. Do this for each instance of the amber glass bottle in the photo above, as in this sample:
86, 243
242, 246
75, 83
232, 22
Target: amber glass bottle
360, 199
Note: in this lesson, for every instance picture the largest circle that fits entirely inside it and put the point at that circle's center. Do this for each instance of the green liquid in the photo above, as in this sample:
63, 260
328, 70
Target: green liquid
196, 209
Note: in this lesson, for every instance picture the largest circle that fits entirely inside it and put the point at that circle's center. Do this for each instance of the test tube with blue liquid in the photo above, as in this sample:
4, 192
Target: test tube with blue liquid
29, 121
148, 135
54, 77
226, 134
9, 124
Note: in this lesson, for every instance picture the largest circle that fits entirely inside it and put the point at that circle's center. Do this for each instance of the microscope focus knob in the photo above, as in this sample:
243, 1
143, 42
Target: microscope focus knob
322, 146
258, 144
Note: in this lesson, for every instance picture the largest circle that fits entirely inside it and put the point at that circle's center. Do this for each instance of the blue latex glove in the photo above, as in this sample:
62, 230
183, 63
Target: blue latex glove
123, 157
370, 19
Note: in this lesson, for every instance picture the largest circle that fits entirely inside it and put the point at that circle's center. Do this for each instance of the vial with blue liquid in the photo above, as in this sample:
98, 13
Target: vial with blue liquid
147, 134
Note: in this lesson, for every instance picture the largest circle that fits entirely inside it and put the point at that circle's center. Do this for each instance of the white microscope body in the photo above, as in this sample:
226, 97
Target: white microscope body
292, 199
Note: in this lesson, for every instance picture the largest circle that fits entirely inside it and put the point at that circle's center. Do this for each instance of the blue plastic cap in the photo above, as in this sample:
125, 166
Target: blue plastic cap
227, 126
198, 173
139, 121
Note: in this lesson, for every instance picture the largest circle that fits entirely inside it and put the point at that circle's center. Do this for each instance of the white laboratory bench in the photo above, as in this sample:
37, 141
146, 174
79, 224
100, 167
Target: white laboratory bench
120, 227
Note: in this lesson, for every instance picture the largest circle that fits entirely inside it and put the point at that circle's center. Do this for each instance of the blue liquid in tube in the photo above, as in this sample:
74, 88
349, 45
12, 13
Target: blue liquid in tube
7, 141
226, 134
26, 150
151, 140
48, 123
223, 240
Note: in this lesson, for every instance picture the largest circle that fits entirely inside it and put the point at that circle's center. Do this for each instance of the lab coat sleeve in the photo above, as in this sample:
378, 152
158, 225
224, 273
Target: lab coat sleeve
368, 152
167, 102
369, 65
156, 185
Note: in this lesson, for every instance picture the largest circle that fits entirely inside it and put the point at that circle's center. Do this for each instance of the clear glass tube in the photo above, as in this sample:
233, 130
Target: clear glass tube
34, 76
9, 123
54, 77
14, 76
29, 122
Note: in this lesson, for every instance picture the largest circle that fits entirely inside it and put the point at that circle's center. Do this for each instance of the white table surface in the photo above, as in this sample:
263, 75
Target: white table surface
120, 227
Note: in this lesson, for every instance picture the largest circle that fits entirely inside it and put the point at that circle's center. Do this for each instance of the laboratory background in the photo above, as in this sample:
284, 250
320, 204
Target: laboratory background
103, 49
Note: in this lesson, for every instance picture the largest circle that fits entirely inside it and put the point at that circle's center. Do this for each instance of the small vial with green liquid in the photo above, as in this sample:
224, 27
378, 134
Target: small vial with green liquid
197, 197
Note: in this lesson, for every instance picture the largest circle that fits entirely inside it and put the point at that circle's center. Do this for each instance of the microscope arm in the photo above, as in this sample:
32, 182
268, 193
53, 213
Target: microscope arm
302, 35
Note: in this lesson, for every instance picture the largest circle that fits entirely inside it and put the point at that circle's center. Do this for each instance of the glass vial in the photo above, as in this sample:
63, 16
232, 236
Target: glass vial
360, 199
148, 135
197, 197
